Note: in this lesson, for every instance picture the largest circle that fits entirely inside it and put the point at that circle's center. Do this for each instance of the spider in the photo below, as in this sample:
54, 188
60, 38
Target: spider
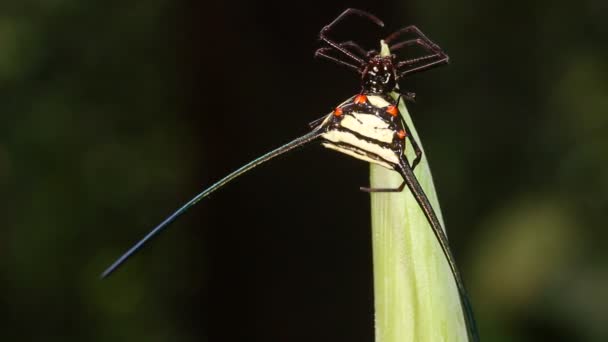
367, 126
381, 74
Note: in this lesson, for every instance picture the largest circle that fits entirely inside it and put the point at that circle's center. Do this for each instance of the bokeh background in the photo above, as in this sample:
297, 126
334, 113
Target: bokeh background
113, 113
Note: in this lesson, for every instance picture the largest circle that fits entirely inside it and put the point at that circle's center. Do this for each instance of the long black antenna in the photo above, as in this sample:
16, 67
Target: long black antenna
277, 152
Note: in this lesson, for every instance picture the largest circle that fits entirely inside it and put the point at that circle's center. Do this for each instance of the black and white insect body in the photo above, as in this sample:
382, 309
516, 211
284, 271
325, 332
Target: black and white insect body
367, 126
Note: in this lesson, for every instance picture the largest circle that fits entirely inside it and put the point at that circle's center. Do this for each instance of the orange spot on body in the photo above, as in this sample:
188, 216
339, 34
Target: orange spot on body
360, 99
338, 111
392, 110
401, 134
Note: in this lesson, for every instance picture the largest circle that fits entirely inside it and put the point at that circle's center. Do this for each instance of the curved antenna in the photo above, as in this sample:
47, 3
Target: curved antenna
412, 183
268, 156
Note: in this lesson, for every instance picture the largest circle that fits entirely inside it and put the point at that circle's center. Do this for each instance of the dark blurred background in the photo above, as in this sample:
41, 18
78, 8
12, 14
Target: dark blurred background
114, 113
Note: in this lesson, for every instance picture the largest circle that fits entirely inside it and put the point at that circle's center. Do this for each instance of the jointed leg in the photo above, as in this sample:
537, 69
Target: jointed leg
349, 11
434, 54
442, 60
355, 46
408, 29
437, 53
323, 52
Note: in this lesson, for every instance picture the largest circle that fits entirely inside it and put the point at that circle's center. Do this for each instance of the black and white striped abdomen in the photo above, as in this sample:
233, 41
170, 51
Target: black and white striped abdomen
366, 127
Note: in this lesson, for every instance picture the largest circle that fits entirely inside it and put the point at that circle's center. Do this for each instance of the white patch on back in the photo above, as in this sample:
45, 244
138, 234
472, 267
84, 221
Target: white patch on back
377, 101
369, 126
371, 148
357, 154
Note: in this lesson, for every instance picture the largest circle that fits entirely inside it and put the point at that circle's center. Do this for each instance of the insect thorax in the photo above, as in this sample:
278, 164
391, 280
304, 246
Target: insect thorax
379, 75
367, 127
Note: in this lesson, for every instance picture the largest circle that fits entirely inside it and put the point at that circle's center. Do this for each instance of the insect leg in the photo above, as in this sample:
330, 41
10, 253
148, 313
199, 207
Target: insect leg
420, 197
268, 156
347, 12
442, 59
435, 52
322, 53
349, 44
409, 29
438, 55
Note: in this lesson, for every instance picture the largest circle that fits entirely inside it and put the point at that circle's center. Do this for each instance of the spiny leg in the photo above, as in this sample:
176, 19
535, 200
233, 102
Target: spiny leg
422, 40
355, 46
425, 67
410, 42
434, 54
409, 29
411, 68
347, 12
323, 52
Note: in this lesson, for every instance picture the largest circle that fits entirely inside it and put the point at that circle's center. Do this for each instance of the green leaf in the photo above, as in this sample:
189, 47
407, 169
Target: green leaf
416, 298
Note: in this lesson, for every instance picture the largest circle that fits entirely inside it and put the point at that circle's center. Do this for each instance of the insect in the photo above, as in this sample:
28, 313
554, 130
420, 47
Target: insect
367, 126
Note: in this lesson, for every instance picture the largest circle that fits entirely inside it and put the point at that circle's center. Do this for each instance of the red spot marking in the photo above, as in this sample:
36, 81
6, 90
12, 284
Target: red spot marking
338, 111
401, 134
392, 110
360, 99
